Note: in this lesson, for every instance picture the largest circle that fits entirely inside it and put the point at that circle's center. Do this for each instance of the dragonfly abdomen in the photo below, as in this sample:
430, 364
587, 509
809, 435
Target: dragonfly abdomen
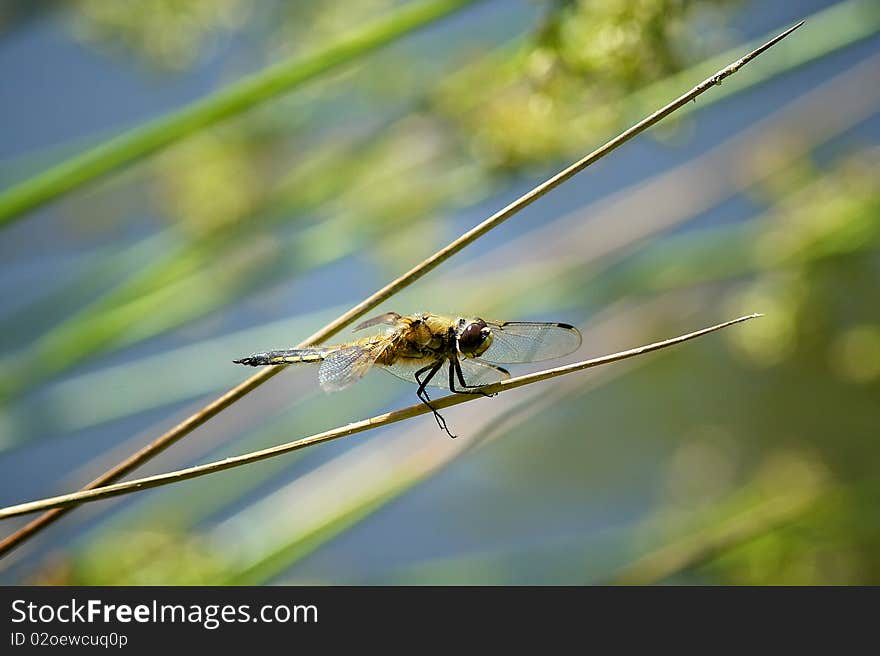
288, 356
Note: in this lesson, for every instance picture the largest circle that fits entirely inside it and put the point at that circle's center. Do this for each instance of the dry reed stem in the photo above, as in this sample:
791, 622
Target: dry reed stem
83, 496
194, 421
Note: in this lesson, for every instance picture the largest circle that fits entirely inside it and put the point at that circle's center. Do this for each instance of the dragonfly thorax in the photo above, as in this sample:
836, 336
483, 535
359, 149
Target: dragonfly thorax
418, 336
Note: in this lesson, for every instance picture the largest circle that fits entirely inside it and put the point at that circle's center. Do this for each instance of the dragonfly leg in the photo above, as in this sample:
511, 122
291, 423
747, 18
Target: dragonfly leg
431, 371
455, 367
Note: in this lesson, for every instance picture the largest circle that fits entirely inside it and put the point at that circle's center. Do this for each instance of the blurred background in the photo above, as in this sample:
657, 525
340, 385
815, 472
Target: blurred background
746, 457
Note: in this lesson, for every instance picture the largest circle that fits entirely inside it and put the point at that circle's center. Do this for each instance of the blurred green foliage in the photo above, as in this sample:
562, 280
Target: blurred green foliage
550, 96
760, 482
169, 33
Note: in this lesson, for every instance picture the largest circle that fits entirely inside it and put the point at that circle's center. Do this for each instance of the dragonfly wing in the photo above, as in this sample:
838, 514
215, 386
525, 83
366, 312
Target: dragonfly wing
477, 372
531, 341
346, 366
406, 369
388, 319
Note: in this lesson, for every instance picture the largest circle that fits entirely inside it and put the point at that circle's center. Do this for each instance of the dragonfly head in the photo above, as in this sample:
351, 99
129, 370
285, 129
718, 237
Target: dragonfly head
474, 337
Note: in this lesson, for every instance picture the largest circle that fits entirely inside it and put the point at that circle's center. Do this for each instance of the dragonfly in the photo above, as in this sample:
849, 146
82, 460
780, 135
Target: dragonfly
418, 347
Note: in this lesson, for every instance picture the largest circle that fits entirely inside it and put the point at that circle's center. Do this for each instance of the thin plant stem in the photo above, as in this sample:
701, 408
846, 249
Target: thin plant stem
231, 101
227, 399
83, 496
703, 546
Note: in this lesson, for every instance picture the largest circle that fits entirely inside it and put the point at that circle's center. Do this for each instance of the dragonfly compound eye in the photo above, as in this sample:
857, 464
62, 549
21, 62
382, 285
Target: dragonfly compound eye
472, 337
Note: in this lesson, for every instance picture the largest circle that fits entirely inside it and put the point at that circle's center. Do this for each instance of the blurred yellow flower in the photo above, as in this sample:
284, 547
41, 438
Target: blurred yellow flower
167, 33
855, 354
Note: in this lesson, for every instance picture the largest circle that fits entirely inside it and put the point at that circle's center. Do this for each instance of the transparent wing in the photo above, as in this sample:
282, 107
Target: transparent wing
406, 369
387, 319
531, 341
347, 365
477, 372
